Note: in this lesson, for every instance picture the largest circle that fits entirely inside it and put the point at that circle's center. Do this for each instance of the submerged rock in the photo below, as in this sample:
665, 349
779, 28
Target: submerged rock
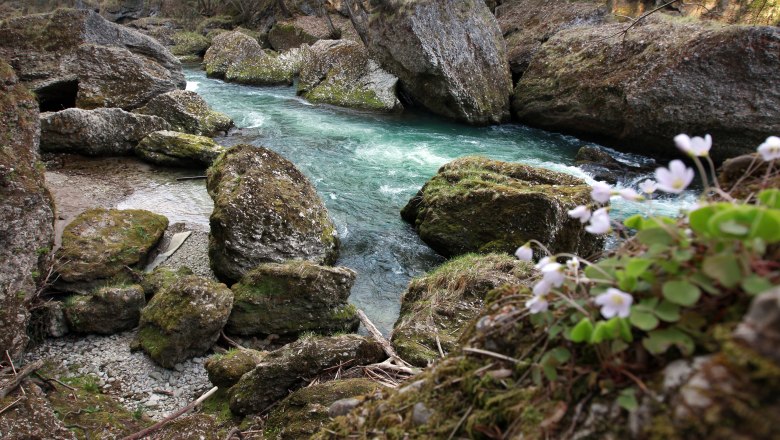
283, 370
188, 112
100, 132
449, 55
184, 320
436, 308
299, 31
479, 205
106, 311
292, 298
175, 149
265, 210
225, 370
339, 72
101, 243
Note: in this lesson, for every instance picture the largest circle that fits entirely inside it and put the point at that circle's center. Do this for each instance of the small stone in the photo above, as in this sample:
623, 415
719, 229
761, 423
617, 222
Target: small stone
421, 414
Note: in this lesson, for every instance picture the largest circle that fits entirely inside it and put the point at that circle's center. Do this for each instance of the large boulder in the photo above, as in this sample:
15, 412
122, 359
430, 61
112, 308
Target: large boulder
162, 29
225, 370
298, 31
123, 11
189, 44
449, 55
284, 369
26, 209
479, 205
226, 49
265, 211
108, 310
175, 149
184, 320
436, 308
664, 77
188, 112
339, 72
99, 132
75, 58
292, 298
101, 243
267, 68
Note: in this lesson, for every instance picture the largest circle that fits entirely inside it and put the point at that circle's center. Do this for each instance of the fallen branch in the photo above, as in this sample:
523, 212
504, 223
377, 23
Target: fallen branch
235, 432
231, 342
642, 17
141, 434
190, 178
376, 334
492, 354
7, 407
20, 376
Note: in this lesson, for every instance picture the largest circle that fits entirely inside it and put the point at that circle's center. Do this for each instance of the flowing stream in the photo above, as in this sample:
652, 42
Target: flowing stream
366, 167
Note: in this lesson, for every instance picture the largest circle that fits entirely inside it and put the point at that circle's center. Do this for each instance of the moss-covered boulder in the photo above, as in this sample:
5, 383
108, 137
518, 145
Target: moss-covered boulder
184, 320
339, 72
479, 205
226, 49
298, 31
292, 298
449, 55
176, 149
187, 112
190, 44
160, 278
436, 308
26, 209
225, 370
284, 369
108, 310
99, 132
304, 412
161, 29
101, 243
265, 211
267, 67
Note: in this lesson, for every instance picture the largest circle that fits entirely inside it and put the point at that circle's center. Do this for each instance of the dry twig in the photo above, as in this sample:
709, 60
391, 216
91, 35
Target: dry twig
26, 371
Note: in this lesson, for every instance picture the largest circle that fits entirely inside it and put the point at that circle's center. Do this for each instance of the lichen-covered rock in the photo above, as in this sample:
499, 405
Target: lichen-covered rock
265, 211
189, 43
76, 58
283, 370
99, 132
226, 49
175, 149
188, 112
339, 72
266, 67
108, 310
184, 320
161, 278
292, 298
436, 308
298, 31
31, 418
101, 243
449, 55
161, 29
479, 205
225, 370
26, 209
664, 77
304, 412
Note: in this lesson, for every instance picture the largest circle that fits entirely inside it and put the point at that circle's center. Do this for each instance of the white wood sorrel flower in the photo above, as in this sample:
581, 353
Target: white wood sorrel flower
554, 273
599, 222
582, 213
630, 194
537, 304
648, 186
601, 192
614, 302
695, 146
770, 150
524, 253
675, 178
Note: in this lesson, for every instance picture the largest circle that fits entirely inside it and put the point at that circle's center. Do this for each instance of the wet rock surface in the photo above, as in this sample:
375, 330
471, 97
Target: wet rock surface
176, 149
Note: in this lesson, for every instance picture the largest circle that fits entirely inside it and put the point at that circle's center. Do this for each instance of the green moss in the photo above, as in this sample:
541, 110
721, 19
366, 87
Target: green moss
218, 406
346, 95
190, 43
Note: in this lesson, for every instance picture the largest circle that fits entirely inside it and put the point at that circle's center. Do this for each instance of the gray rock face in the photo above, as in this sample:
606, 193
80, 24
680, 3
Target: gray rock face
187, 112
666, 77
282, 370
100, 132
26, 209
106, 311
292, 298
265, 211
339, 72
122, 11
171, 148
184, 320
75, 58
449, 55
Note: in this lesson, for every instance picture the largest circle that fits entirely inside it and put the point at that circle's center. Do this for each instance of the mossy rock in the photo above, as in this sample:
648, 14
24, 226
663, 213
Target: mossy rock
436, 308
225, 22
194, 426
225, 370
285, 35
175, 149
187, 112
292, 298
101, 243
190, 43
265, 211
282, 370
161, 278
227, 49
301, 414
106, 311
480, 205
183, 320
268, 67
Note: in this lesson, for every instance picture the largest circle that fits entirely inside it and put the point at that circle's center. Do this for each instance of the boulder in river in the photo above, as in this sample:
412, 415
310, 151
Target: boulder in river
188, 112
189, 44
449, 55
107, 310
268, 68
26, 209
99, 132
265, 211
175, 149
226, 49
339, 72
298, 31
184, 320
283, 370
480, 205
75, 58
600, 164
292, 298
